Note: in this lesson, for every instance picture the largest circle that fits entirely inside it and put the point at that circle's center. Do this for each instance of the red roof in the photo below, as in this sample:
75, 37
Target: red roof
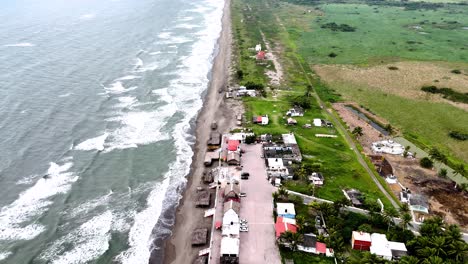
259, 119
218, 224
282, 227
233, 144
321, 247
261, 55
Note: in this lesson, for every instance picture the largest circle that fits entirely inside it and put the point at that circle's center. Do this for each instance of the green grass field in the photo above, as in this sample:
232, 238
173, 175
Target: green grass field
386, 33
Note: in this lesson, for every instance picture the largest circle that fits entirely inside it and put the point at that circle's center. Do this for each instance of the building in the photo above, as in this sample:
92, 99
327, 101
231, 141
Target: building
355, 197
317, 122
229, 250
215, 140
276, 168
261, 55
295, 111
286, 210
316, 178
419, 203
398, 250
233, 158
203, 199
258, 47
380, 247
233, 145
231, 223
282, 227
292, 121
361, 240
232, 192
309, 243
289, 139
199, 236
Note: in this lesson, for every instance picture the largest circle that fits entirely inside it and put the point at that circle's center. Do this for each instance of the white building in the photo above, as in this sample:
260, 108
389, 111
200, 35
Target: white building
317, 122
265, 120
289, 139
286, 210
258, 47
276, 168
316, 178
380, 246
229, 247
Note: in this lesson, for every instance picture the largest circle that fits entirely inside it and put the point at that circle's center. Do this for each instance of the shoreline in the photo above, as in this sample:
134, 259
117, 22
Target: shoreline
177, 247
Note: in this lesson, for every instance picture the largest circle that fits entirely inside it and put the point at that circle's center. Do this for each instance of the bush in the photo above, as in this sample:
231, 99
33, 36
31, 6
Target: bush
240, 75
443, 173
332, 55
456, 71
250, 139
426, 163
342, 27
393, 68
458, 135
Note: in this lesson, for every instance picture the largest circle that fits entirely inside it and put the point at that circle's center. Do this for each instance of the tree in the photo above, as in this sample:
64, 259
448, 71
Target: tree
283, 193
291, 239
388, 215
432, 227
240, 74
357, 131
308, 90
459, 169
409, 260
275, 196
426, 163
300, 221
389, 128
433, 260
443, 173
340, 203
406, 218
437, 155
365, 228
404, 208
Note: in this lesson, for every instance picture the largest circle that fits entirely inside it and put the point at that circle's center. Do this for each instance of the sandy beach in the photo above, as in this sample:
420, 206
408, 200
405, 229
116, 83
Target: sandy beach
178, 248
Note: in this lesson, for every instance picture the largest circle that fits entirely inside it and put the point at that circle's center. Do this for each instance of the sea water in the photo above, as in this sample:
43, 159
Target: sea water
97, 102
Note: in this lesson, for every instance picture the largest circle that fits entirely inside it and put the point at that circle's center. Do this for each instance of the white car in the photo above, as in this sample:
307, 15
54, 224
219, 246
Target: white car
244, 229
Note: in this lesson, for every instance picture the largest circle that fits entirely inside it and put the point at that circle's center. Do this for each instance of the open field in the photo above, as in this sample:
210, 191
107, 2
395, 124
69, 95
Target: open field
385, 33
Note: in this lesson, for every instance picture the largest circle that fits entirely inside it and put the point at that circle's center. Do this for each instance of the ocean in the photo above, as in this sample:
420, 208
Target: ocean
98, 100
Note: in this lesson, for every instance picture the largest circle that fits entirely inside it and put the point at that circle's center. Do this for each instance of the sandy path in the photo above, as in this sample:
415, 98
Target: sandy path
188, 217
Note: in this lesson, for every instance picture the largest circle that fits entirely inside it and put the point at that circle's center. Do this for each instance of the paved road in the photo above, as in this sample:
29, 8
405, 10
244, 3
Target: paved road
413, 226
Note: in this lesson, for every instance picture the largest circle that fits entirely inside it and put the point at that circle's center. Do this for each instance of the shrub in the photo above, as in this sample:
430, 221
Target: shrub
393, 68
456, 71
426, 163
443, 173
332, 55
458, 135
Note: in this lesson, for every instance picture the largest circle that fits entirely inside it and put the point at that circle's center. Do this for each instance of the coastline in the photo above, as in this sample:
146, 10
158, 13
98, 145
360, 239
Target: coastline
177, 247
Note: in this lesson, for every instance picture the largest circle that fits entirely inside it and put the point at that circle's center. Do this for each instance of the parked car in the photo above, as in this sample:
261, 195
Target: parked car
244, 229
245, 175
242, 194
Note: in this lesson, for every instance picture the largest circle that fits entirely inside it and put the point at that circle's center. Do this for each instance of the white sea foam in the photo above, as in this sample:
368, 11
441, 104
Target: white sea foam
187, 26
22, 44
128, 77
27, 180
189, 86
4, 255
65, 95
88, 16
86, 207
117, 88
139, 236
33, 202
126, 102
89, 241
96, 143
164, 35
138, 62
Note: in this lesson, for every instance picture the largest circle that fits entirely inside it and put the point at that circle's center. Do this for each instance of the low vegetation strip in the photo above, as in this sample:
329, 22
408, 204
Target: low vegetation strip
447, 93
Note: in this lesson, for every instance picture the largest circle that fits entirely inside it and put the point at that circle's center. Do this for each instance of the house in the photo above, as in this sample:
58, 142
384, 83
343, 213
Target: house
261, 55
317, 122
316, 178
321, 248
258, 47
286, 210
233, 145
281, 227
296, 111
354, 196
210, 156
215, 140
231, 192
289, 139
419, 203
380, 246
245, 92
266, 137
203, 199
292, 121
199, 236
405, 196
361, 240
276, 168
262, 120
229, 250
233, 158
398, 249
309, 243
231, 223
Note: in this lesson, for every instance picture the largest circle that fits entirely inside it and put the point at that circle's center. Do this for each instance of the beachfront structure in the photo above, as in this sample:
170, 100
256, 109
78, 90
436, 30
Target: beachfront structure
199, 236
316, 178
361, 240
231, 192
282, 226
215, 140
388, 146
419, 203
317, 122
231, 223
229, 250
286, 210
233, 158
233, 145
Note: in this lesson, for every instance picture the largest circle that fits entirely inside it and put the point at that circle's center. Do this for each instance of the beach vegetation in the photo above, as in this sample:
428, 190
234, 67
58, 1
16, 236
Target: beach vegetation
426, 163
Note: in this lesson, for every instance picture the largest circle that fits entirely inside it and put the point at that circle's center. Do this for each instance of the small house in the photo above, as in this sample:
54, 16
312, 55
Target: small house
286, 210
292, 121
317, 122
229, 250
232, 192
203, 199
281, 227
233, 158
398, 249
296, 111
361, 240
419, 203
310, 240
380, 246
258, 47
316, 178
231, 218
355, 197
233, 145
215, 140
261, 55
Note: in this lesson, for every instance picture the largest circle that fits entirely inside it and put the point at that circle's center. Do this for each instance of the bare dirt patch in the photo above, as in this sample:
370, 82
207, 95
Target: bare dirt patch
405, 80
277, 75
444, 199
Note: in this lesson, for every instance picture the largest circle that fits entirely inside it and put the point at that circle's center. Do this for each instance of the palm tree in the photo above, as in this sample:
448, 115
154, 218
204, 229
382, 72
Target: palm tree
340, 203
357, 132
300, 221
459, 169
458, 251
438, 244
433, 260
275, 196
436, 154
406, 218
388, 215
296, 239
283, 193
404, 208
